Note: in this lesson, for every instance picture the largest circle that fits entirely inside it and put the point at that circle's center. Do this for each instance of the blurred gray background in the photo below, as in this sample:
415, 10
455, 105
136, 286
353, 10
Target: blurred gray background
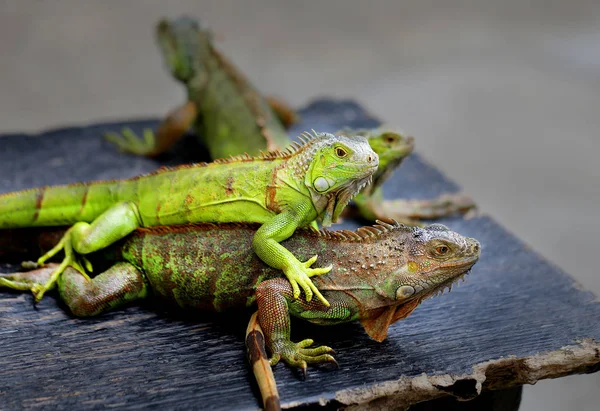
502, 95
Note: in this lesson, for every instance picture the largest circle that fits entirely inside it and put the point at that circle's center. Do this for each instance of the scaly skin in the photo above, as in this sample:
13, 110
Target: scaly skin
382, 274
225, 110
281, 190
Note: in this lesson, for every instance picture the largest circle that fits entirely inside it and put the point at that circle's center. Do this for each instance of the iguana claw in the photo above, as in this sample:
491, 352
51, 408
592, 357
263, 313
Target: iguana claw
300, 275
129, 142
297, 355
70, 259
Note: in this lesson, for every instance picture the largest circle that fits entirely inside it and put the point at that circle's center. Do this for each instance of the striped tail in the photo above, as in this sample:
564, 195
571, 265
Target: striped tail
56, 205
255, 345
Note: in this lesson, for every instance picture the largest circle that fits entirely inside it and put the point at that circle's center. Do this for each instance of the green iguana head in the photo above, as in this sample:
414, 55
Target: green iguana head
391, 146
337, 168
429, 260
184, 46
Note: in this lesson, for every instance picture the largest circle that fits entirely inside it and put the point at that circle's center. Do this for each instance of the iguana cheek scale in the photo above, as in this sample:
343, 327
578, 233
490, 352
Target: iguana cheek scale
275, 189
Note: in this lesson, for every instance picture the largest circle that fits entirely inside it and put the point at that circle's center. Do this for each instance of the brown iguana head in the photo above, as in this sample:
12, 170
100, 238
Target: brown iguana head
426, 262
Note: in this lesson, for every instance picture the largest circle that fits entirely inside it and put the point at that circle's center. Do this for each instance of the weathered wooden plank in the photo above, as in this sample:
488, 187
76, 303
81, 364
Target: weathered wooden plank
507, 325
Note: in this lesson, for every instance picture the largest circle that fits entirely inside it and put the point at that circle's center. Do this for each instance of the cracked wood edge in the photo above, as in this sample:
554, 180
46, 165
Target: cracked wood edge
583, 357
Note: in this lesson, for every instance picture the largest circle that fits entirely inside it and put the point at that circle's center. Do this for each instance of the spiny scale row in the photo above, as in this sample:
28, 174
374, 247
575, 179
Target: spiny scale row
363, 233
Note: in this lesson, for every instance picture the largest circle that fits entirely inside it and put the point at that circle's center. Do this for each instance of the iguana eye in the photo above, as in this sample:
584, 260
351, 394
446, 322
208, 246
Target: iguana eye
442, 249
340, 152
390, 138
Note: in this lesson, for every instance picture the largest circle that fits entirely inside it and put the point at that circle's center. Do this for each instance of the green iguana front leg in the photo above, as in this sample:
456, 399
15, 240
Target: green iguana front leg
83, 238
266, 245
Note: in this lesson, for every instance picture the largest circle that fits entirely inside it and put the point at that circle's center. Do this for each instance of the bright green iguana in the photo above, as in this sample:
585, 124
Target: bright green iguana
233, 118
281, 190
212, 267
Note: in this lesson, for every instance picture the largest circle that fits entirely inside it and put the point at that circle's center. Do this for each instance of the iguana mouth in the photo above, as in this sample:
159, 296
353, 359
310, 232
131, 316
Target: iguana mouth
339, 200
449, 283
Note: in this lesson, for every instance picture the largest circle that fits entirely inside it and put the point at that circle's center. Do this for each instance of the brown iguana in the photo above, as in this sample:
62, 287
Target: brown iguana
212, 267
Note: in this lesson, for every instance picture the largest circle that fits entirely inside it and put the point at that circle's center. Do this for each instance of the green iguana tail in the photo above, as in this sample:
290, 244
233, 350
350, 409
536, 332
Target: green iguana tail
59, 205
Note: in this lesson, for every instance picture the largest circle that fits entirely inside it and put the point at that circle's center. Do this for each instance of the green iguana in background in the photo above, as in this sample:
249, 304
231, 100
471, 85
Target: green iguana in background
231, 117
284, 190
213, 267
227, 113
392, 148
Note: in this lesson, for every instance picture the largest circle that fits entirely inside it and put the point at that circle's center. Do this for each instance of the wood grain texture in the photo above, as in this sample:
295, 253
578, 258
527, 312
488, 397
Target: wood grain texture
507, 325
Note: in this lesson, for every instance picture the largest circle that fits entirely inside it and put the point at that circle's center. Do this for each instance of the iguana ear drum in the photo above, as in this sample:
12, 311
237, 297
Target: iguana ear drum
321, 184
404, 292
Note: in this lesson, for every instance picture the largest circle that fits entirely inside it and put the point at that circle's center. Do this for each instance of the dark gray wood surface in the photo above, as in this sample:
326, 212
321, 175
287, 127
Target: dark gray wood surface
515, 320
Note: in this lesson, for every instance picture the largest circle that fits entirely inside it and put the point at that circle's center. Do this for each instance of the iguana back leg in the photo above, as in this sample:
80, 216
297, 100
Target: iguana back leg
85, 297
83, 238
120, 284
284, 112
152, 144
274, 299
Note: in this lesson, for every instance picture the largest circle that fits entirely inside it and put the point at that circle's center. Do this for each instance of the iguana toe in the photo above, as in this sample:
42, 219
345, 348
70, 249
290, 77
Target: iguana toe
129, 142
299, 356
70, 259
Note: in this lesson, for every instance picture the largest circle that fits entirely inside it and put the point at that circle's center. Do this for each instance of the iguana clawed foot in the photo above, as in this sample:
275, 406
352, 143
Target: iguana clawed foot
129, 142
299, 275
298, 355
70, 259
25, 281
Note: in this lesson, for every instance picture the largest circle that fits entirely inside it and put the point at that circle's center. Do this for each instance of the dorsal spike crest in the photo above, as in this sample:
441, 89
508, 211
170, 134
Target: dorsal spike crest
372, 229
308, 136
342, 235
356, 236
364, 233
387, 225
286, 153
